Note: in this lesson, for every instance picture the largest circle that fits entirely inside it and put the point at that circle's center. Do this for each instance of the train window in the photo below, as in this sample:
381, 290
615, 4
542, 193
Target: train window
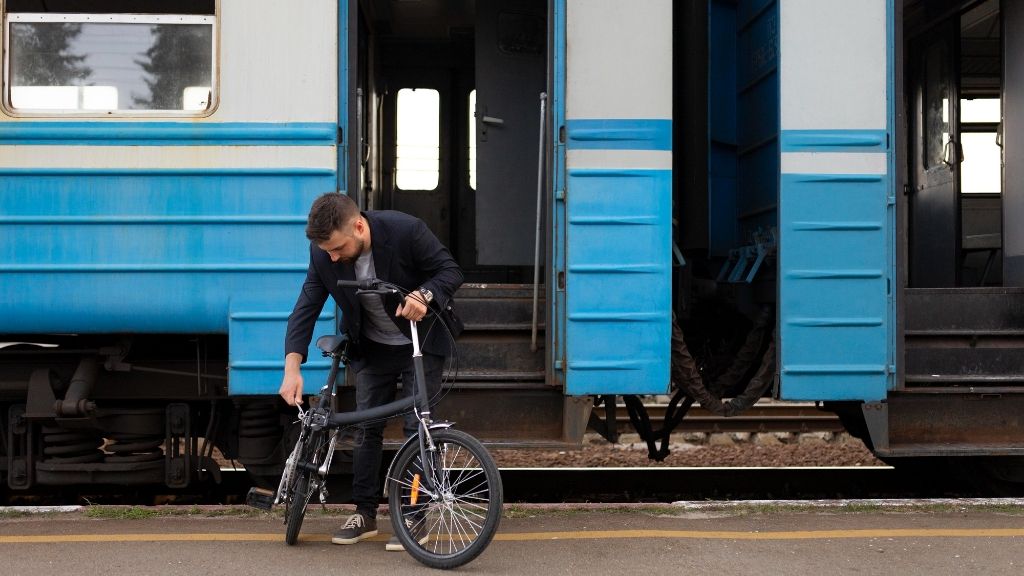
109, 63
417, 153
979, 110
981, 170
472, 139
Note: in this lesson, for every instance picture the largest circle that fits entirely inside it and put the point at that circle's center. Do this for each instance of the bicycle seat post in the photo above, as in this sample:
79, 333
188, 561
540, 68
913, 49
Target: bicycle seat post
330, 386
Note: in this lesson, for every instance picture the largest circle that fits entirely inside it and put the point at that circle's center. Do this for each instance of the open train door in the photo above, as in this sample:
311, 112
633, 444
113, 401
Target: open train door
934, 200
613, 195
1012, 147
836, 215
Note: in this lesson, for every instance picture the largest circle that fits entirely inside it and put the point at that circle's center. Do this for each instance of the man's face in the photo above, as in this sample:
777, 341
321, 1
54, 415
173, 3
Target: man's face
348, 244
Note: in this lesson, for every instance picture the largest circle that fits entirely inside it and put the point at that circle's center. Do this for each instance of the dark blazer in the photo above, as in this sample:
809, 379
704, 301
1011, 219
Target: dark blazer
406, 253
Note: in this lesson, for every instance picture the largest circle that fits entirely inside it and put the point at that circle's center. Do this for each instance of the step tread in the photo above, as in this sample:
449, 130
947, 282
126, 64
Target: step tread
966, 378
500, 375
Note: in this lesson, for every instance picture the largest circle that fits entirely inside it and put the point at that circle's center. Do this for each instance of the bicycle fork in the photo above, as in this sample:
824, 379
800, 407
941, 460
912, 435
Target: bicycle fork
422, 411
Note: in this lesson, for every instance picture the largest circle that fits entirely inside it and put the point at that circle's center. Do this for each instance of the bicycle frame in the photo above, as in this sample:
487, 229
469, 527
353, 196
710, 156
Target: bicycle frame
471, 504
321, 417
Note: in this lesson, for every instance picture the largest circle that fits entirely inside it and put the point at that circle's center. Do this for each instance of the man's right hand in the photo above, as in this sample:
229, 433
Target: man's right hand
291, 385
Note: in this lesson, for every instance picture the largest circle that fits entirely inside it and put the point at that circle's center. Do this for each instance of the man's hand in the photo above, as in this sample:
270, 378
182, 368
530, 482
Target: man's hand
291, 385
413, 308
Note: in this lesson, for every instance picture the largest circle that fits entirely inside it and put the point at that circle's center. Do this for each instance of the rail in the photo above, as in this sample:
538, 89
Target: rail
766, 417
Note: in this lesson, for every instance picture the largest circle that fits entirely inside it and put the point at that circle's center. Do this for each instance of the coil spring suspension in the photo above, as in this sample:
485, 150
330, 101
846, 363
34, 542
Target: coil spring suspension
61, 445
125, 448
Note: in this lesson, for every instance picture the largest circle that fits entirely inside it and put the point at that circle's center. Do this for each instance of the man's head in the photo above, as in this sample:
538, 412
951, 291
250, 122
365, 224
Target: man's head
337, 227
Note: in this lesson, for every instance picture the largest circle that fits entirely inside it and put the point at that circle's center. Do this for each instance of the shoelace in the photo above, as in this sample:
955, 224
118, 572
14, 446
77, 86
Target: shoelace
354, 521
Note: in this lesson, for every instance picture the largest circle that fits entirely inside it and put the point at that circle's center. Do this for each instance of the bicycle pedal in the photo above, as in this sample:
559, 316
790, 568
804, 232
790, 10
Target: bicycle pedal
260, 498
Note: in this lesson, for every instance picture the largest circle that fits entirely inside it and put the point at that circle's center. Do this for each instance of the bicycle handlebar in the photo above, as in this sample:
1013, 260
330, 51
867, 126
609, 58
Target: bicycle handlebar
365, 284
370, 285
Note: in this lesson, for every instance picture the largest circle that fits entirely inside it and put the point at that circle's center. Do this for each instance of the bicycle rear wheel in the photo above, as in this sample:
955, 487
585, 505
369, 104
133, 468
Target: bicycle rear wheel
454, 523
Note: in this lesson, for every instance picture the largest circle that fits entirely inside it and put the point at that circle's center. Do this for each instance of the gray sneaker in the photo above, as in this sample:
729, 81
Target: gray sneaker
420, 534
356, 528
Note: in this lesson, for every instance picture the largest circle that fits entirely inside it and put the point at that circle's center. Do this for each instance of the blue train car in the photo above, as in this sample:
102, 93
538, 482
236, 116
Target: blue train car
601, 169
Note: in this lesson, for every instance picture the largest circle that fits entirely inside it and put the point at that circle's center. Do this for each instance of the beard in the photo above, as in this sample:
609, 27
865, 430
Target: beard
360, 248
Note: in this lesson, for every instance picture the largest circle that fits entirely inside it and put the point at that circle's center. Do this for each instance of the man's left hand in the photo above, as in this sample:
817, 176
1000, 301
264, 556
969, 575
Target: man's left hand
412, 308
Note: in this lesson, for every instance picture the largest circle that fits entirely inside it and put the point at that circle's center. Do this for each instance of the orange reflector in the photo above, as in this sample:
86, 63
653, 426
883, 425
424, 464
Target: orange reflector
415, 489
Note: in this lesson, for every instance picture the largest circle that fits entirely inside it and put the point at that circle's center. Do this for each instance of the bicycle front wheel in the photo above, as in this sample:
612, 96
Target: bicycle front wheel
297, 508
309, 450
453, 521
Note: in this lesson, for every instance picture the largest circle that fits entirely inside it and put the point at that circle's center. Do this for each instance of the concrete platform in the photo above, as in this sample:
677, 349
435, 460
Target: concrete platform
766, 538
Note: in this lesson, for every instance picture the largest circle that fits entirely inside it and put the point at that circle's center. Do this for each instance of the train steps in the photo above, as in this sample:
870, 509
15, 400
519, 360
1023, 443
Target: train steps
496, 343
501, 392
964, 337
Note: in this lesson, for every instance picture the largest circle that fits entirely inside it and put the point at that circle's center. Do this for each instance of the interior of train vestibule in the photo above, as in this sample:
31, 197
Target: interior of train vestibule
960, 242
448, 120
962, 80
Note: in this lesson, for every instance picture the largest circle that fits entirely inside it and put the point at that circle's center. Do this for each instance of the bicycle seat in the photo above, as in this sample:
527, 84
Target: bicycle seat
332, 344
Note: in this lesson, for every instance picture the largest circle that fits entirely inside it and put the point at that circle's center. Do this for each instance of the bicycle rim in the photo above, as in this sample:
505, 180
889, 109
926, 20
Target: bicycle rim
454, 523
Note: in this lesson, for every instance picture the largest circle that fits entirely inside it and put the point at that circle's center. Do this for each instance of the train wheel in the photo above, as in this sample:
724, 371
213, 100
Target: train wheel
453, 523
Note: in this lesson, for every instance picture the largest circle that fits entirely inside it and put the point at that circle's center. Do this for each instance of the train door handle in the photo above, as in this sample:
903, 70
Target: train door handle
491, 120
953, 154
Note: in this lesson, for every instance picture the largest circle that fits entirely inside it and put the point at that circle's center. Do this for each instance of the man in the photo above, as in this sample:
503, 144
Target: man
346, 244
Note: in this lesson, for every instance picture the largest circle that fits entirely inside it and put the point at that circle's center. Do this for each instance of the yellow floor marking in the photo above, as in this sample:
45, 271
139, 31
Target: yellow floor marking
782, 535
533, 536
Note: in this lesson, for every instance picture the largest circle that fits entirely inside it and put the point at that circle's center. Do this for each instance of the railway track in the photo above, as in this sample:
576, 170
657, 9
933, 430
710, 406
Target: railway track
609, 485
762, 417
595, 485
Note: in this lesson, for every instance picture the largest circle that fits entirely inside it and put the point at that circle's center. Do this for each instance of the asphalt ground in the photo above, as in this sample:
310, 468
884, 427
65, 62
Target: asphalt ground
926, 537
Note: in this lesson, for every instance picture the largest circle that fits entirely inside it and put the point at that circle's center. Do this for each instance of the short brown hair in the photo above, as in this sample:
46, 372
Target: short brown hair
330, 212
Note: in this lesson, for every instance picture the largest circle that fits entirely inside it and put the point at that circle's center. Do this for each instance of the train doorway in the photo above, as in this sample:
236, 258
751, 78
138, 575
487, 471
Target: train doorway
446, 99
449, 104
954, 87
962, 305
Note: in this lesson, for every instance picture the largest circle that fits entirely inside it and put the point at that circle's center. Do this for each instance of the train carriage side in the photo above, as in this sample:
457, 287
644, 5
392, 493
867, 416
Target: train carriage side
600, 169
157, 173
157, 170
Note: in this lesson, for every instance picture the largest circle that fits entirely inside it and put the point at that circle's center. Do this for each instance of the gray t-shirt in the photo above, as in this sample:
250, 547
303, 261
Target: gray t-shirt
377, 324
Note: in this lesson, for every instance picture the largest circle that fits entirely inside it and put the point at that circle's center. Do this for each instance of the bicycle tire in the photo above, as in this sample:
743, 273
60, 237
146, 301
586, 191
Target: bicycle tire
297, 508
302, 488
461, 518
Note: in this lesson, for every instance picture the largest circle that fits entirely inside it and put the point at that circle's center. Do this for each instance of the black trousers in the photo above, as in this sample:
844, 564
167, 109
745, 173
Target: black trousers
376, 384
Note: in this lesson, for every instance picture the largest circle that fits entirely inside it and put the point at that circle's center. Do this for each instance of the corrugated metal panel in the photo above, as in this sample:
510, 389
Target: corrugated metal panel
834, 287
148, 251
614, 324
618, 281
255, 336
836, 255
